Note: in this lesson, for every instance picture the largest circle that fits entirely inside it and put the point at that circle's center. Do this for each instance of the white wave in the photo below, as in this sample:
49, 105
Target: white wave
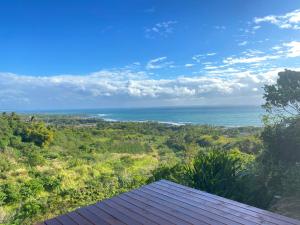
110, 120
172, 123
102, 115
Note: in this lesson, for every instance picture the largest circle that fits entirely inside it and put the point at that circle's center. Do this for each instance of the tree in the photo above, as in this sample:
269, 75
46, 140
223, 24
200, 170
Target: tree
284, 96
38, 133
282, 142
282, 138
279, 160
5, 132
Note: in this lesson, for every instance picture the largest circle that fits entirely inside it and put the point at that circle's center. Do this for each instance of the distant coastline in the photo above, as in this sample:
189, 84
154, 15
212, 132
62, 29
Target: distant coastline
228, 116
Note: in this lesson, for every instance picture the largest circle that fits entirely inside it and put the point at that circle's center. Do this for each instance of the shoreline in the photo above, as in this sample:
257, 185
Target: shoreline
110, 120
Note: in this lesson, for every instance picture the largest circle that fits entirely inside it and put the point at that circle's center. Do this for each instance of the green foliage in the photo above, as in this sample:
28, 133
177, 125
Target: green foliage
51, 183
176, 142
38, 133
11, 193
174, 173
249, 145
4, 165
291, 181
130, 147
2, 197
205, 141
284, 96
219, 172
215, 171
53, 164
28, 209
282, 142
279, 161
30, 189
34, 158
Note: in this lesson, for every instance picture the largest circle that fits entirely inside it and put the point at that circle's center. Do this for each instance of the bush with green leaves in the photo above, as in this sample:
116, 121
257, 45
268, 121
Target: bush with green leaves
282, 141
2, 197
31, 188
38, 133
11, 193
216, 171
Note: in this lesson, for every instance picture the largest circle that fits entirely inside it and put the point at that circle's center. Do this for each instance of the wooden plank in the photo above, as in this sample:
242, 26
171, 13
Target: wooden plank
244, 213
91, 216
177, 212
215, 208
65, 220
250, 209
168, 203
129, 212
78, 218
53, 221
198, 214
117, 214
158, 212
141, 211
205, 201
199, 209
104, 215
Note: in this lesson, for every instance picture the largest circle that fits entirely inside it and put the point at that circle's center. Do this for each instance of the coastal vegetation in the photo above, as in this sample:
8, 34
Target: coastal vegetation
53, 164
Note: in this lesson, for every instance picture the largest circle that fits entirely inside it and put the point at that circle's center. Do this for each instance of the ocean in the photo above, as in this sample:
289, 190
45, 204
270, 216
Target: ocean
219, 116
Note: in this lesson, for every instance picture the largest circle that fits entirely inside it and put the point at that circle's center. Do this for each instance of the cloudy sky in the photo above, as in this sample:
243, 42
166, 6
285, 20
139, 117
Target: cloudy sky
58, 54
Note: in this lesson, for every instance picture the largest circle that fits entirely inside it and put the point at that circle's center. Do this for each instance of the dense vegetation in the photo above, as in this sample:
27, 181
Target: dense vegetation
53, 164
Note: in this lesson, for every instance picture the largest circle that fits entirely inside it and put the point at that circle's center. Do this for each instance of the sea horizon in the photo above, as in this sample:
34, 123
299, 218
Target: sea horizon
229, 116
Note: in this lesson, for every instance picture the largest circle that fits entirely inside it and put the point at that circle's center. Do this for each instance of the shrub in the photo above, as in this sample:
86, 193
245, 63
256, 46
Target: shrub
4, 165
11, 193
282, 142
225, 173
38, 133
2, 197
205, 141
217, 171
30, 188
27, 211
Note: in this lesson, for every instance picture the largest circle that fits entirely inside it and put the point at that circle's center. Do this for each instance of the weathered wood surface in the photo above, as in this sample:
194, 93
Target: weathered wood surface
165, 203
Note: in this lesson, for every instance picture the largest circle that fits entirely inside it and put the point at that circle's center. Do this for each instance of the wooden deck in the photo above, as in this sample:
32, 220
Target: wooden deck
165, 202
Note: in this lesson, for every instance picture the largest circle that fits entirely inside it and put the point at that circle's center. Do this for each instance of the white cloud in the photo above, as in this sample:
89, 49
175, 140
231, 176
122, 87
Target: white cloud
209, 67
293, 49
253, 52
159, 63
118, 88
219, 70
276, 47
247, 60
243, 43
290, 20
256, 27
207, 63
227, 82
160, 29
211, 54
254, 57
199, 57
189, 65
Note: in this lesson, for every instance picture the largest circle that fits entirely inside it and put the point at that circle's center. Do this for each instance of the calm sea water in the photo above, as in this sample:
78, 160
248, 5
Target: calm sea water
219, 116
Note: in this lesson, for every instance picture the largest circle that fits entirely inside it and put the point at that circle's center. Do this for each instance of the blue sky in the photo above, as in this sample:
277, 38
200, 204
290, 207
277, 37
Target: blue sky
91, 54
